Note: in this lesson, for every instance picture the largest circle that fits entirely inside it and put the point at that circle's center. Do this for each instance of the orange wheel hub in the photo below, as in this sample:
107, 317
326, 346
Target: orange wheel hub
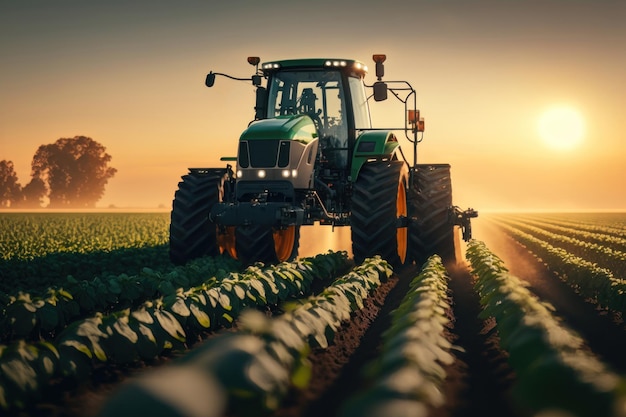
284, 239
401, 232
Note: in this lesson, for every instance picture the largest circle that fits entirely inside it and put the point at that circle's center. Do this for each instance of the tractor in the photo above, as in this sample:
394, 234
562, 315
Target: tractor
311, 156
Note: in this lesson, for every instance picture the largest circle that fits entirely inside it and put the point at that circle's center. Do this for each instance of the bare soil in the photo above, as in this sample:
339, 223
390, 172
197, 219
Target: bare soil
479, 382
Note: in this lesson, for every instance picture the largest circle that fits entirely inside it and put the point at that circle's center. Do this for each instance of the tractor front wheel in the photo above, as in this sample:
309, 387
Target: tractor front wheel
192, 235
378, 205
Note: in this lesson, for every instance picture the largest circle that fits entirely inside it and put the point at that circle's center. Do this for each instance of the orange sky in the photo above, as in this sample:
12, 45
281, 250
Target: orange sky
132, 78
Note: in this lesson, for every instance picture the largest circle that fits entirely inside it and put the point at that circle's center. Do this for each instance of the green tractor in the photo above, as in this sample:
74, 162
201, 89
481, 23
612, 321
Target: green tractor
311, 155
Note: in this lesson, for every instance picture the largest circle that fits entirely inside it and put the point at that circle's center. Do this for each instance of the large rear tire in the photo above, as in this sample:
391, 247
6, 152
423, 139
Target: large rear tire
192, 235
378, 201
430, 200
261, 243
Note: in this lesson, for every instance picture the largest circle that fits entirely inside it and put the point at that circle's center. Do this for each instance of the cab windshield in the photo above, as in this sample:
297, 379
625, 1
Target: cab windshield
318, 94
315, 93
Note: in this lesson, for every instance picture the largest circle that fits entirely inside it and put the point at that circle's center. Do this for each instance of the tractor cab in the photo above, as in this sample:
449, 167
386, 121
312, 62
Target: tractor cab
330, 92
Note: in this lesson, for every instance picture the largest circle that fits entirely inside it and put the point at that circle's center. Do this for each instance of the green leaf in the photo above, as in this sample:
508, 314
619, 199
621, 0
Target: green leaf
285, 332
70, 309
22, 317
169, 323
89, 329
61, 292
213, 294
224, 301
239, 291
201, 317
81, 347
147, 346
166, 288
229, 319
48, 316
180, 307
198, 297
21, 373
48, 359
142, 315
114, 286
122, 328
75, 359
86, 299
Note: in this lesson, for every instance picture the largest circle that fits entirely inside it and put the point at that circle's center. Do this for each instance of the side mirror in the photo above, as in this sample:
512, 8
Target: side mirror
380, 91
210, 79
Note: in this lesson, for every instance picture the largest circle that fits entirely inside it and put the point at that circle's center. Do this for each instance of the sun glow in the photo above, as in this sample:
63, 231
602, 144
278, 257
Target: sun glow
561, 127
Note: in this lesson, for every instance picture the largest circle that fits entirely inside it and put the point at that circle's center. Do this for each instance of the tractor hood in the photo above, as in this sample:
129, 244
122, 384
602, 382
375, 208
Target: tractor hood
295, 127
280, 150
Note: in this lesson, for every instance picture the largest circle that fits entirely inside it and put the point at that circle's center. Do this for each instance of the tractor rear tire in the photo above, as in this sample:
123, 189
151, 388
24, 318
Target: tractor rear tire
432, 231
262, 243
378, 200
192, 235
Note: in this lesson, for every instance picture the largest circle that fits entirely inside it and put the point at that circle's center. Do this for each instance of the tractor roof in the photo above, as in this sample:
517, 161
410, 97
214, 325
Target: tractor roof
314, 63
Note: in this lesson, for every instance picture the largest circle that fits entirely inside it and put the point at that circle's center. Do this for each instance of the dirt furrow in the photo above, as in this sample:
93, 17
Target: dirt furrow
337, 371
485, 388
477, 383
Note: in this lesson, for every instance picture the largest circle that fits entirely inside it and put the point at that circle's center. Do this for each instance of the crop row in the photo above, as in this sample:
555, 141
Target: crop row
554, 368
606, 223
605, 256
591, 281
34, 317
408, 376
603, 238
37, 250
37, 275
28, 236
249, 372
154, 327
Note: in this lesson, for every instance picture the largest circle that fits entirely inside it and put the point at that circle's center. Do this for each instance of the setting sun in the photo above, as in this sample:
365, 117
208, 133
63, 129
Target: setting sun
561, 127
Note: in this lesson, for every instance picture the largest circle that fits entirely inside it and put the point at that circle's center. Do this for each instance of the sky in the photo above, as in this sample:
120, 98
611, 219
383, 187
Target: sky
130, 75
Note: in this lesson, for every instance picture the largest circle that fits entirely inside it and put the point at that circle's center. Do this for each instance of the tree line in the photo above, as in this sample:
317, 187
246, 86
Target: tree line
69, 173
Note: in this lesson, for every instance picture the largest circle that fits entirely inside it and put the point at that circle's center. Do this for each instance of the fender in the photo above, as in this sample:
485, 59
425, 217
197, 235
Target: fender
375, 144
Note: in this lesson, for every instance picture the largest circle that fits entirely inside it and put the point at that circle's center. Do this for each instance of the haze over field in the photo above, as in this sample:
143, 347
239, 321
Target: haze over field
524, 99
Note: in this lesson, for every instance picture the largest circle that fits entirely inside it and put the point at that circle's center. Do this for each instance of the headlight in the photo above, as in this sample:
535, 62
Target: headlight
335, 63
261, 173
360, 67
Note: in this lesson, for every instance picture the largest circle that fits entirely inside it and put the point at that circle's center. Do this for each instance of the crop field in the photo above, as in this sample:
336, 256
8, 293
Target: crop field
96, 321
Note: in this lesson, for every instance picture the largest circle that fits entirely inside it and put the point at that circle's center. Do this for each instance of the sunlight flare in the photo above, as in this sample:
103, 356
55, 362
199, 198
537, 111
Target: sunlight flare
561, 127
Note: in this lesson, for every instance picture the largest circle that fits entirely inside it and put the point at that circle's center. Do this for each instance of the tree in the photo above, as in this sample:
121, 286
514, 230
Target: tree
73, 170
33, 193
10, 189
